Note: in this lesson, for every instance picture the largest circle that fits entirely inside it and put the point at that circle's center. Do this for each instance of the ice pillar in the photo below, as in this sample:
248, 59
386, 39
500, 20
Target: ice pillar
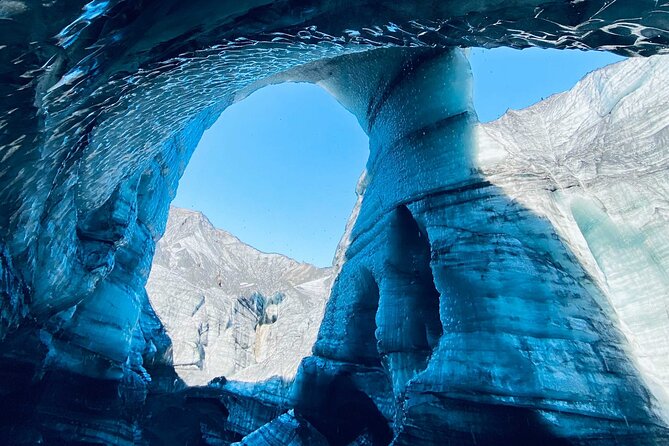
459, 315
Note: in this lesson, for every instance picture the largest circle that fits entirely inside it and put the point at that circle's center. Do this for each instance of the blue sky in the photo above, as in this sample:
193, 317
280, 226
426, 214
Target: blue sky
279, 169
506, 78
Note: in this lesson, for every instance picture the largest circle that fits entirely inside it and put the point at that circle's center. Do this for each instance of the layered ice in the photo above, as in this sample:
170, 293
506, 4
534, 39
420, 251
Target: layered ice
460, 312
456, 299
593, 161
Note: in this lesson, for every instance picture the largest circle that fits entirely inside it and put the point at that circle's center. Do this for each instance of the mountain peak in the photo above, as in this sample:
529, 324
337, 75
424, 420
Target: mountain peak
229, 308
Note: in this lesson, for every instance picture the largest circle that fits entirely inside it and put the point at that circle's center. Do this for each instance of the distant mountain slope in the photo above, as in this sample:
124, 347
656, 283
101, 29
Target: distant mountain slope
230, 309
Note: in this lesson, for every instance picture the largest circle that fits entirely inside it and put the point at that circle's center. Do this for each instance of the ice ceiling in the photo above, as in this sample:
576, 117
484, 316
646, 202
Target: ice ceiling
458, 316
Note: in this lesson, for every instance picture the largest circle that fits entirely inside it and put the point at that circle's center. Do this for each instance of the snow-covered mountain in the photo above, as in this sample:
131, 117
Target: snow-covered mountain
230, 309
594, 161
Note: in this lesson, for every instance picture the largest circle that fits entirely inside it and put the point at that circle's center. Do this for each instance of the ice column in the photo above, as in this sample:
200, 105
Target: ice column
459, 315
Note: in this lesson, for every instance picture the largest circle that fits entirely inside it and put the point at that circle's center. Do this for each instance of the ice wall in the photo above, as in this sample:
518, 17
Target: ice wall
229, 309
103, 103
459, 315
593, 161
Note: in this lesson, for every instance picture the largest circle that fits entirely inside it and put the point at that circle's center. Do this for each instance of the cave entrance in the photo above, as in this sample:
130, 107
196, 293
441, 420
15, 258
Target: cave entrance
242, 274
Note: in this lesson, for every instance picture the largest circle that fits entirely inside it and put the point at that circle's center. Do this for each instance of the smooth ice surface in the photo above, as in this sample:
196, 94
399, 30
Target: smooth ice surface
229, 309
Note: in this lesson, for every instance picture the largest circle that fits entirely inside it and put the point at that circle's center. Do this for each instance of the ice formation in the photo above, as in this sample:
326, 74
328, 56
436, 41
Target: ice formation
496, 286
594, 161
229, 309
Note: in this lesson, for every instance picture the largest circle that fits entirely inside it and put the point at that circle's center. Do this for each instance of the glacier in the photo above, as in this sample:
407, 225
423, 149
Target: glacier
500, 284
593, 161
229, 309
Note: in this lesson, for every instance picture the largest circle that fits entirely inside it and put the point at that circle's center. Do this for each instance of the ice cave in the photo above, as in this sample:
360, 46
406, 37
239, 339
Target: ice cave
504, 283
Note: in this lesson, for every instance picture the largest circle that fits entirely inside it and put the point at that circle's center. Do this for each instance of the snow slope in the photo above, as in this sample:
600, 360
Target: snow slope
230, 309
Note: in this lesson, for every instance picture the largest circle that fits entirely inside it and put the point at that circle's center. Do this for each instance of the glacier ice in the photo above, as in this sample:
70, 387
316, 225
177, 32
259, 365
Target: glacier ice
526, 310
593, 161
229, 309
509, 338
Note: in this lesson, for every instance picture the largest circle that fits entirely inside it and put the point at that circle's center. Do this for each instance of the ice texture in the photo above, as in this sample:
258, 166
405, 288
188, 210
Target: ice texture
460, 313
523, 332
229, 309
594, 161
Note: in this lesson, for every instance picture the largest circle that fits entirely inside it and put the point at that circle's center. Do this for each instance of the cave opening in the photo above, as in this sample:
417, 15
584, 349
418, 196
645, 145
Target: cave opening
242, 274
278, 170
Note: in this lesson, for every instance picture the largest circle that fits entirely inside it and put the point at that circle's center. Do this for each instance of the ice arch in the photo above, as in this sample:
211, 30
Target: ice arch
278, 170
108, 112
276, 173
